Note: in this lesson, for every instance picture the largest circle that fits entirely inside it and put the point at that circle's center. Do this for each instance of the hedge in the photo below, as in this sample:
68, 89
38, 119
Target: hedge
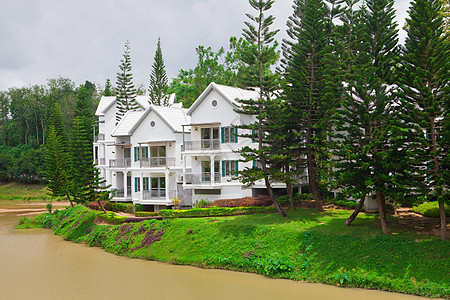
215, 211
111, 217
145, 214
120, 207
430, 209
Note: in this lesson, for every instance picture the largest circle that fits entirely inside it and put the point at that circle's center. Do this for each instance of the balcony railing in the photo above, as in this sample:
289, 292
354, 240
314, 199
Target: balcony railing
119, 193
102, 161
158, 194
120, 163
157, 162
201, 178
202, 145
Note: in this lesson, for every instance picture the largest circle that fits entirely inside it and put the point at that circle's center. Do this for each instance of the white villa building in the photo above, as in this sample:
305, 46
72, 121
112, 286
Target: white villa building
162, 152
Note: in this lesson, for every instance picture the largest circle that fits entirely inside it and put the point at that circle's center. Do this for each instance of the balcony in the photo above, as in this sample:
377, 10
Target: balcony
102, 161
202, 178
155, 162
120, 163
158, 194
202, 145
119, 193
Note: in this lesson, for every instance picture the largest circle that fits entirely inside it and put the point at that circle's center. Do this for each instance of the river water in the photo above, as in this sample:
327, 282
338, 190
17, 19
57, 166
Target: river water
35, 264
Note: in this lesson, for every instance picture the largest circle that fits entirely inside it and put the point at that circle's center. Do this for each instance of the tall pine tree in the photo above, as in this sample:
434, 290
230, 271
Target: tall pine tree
158, 79
425, 97
126, 93
258, 57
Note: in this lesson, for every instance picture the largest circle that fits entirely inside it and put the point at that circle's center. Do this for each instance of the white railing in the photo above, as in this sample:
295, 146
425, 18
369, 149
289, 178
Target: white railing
120, 163
201, 178
158, 194
157, 162
119, 193
202, 145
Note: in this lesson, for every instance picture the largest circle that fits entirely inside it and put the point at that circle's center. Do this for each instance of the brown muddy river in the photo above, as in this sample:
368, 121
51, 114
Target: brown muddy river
35, 264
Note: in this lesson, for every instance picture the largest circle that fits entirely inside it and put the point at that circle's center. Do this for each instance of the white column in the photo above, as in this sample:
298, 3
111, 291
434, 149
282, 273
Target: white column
141, 186
125, 190
212, 169
184, 169
114, 179
166, 173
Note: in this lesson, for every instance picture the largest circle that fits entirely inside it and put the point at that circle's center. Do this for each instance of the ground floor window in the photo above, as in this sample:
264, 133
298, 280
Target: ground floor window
137, 184
229, 167
158, 186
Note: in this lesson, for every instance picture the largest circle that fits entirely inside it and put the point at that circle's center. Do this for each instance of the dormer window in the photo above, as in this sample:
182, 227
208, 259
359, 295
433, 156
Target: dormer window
214, 103
152, 124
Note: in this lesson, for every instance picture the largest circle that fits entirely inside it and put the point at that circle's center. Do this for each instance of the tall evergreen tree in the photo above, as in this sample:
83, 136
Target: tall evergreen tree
108, 90
425, 97
305, 71
158, 79
56, 157
258, 57
126, 93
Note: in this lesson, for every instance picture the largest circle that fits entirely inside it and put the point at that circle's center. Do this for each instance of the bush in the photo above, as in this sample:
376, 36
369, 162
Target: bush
284, 200
202, 203
430, 209
145, 214
111, 217
243, 202
120, 207
350, 204
216, 211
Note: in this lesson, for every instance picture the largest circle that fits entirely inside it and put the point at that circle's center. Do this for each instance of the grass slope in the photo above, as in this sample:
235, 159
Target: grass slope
307, 246
19, 191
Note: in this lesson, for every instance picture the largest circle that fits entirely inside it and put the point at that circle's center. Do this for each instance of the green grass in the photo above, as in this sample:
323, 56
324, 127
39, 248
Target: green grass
19, 191
307, 246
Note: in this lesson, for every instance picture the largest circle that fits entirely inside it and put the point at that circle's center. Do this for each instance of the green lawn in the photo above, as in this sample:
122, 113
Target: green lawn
18, 191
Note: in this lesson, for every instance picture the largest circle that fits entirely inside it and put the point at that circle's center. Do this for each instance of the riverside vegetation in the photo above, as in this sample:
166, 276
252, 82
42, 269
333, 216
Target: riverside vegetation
310, 245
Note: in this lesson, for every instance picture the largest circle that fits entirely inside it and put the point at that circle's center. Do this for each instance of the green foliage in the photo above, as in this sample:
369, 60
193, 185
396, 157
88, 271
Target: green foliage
126, 93
430, 209
350, 204
111, 217
22, 164
215, 211
120, 207
158, 79
202, 203
145, 214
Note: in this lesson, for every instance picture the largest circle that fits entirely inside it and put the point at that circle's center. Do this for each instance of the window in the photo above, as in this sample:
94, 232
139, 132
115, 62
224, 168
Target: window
140, 153
229, 167
158, 156
137, 184
214, 103
158, 187
229, 135
152, 124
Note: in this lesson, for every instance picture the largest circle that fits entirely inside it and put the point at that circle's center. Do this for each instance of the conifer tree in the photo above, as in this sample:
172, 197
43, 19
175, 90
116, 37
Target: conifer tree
126, 93
108, 91
158, 80
368, 155
425, 97
305, 71
258, 56
57, 165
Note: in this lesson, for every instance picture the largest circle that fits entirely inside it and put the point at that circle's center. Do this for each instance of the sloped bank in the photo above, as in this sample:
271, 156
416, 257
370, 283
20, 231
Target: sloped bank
376, 262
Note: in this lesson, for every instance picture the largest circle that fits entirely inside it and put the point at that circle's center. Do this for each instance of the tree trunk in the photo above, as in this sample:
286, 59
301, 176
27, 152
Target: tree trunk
100, 204
356, 211
443, 221
313, 185
291, 198
382, 211
68, 197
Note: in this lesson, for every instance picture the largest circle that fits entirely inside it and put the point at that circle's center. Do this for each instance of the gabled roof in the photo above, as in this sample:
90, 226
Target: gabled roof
107, 102
127, 124
230, 94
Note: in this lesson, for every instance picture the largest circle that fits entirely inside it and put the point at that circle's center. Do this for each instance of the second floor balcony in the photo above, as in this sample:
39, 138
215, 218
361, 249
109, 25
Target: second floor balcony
203, 178
202, 145
154, 162
120, 163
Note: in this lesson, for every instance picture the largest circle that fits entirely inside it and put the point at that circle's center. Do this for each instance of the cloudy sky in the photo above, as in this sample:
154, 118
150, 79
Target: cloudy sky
83, 39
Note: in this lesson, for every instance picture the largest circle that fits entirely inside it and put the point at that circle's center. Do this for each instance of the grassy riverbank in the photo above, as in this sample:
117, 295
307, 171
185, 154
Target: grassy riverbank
307, 246
27, 192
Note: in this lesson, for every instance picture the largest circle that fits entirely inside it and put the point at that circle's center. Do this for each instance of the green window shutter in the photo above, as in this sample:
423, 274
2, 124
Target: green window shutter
136, 183
146, 152
236, 166
135, 153
223, 168
146, 184
253, 133
222, 133
235, 135
254, 164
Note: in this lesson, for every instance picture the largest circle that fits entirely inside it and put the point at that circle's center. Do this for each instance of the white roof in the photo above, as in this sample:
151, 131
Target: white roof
107, 102
127, 124
229, 93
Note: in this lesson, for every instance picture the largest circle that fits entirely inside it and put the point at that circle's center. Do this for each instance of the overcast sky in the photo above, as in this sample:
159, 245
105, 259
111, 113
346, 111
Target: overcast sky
84, 39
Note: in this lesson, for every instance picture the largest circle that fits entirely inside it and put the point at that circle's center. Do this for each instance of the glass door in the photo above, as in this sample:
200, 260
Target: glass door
158, 187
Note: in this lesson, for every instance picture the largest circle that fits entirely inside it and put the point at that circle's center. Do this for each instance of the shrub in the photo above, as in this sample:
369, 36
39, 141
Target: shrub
111, 217
145, 214
94, 205
284, 200
215, 211
243, 202
202, 203
344, 203
120, 207
430, 209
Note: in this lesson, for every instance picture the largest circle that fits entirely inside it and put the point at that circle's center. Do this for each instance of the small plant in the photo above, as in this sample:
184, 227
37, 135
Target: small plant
176, 201
202, 203
49, 207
